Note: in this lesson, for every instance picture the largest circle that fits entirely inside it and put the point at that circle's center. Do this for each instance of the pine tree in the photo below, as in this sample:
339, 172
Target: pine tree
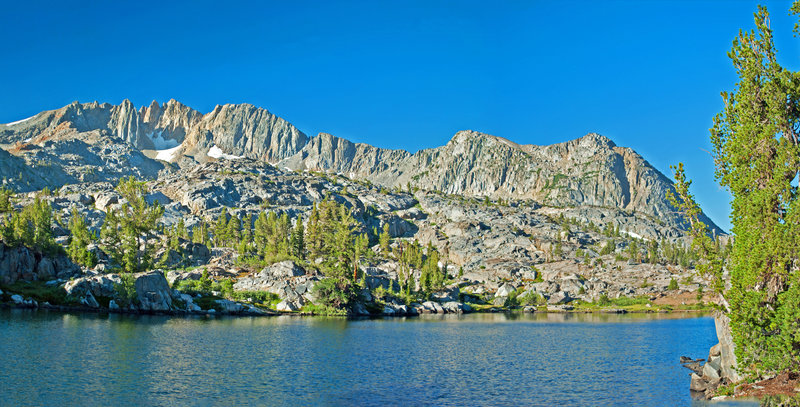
126, 233
5, 200
385, 239
221, 230
80, 238
756, 149
298, 241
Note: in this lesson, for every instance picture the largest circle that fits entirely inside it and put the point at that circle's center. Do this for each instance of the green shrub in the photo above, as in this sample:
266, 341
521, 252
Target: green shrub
126, 290
258, 297
334, 292
673, 284
39, 291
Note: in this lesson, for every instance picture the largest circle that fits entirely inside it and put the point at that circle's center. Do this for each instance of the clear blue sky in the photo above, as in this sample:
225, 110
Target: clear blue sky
404, 74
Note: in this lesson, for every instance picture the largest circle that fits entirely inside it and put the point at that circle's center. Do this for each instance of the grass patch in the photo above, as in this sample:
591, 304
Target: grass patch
40, 292
323, 310
208, 302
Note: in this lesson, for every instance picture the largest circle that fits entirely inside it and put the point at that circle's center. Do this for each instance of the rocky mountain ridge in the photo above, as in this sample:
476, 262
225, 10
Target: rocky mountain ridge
63, 146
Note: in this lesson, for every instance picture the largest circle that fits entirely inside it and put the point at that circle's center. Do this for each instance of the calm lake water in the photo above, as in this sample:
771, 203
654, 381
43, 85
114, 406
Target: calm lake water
474, 360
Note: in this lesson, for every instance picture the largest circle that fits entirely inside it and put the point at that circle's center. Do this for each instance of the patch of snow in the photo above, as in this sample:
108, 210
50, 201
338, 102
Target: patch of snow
216, 152
27, 140
19, 121
631, 234
167, 154
161, 143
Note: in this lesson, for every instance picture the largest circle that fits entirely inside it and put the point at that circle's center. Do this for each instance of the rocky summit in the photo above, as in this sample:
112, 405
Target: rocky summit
581, 220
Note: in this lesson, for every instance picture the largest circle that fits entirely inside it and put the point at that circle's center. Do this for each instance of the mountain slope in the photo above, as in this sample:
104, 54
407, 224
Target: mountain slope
92, 142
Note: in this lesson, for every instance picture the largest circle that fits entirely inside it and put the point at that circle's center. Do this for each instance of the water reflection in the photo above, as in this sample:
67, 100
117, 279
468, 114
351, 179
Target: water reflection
477, 359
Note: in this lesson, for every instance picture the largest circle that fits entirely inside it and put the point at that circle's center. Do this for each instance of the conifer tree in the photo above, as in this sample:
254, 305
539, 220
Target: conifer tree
80, 238
126, 233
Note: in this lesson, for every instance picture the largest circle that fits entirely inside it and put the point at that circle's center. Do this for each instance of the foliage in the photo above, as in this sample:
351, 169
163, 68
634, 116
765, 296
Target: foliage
334, 292
531, 298
702, 244
604, 301
385, 238
79, 240
126, 233
757, 157
31, 227
673, 284
126, 289
5, 200
39, 291
257, 297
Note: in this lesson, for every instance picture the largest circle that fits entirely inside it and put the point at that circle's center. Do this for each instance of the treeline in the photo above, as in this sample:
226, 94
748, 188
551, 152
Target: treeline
330, 240
647, 251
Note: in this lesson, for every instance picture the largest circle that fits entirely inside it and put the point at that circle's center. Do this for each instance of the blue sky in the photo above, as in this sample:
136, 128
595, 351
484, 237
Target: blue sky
404, 74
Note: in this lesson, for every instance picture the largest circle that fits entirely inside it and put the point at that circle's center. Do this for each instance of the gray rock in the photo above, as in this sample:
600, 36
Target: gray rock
287, 306
710, 372
728, 362
505, 290
152, 291
45, 270
17, 299
90, 301
112, 305
360, 309
284, 269
230, 307
449, 294
697, 384
453, 307
16, 263
560, 297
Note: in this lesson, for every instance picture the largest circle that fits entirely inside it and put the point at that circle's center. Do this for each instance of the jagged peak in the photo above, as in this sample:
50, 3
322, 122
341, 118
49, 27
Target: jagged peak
465, 136
597, 139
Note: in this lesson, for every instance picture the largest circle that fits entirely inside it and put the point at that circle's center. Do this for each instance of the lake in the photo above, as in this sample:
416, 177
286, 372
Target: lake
51, 358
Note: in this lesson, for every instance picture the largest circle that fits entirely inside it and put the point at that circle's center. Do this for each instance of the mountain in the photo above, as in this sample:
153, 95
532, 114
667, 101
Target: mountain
101, 142
239, 130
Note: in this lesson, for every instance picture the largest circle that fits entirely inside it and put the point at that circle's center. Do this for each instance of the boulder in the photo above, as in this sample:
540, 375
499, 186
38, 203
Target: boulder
559, 297
284, 269
16, 263
45, 270
453, 307
432, 307
174, 277
449, 294
96, 286
697, 383
104, 199
152, 291
505, 290
287, 306
90, 301
360, 309
728, 363
230, 307
711, 370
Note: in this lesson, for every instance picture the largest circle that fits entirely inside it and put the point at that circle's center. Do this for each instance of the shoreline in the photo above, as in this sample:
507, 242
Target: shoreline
69, 309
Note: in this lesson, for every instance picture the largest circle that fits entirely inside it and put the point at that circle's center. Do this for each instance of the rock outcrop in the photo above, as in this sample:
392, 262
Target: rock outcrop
102, 142
22, 263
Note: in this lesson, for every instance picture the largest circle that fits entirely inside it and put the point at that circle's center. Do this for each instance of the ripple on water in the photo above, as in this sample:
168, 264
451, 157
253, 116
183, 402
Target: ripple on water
481, 359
